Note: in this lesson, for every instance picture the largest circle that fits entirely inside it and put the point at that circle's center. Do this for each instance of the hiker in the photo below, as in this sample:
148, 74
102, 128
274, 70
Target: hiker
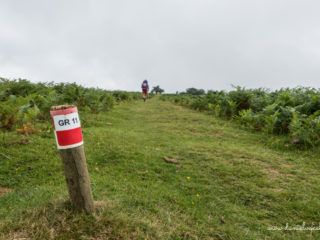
145, 89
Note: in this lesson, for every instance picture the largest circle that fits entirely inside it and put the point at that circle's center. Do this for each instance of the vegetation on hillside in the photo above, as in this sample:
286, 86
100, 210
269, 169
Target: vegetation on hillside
160, 171
23, 103
225, 183
291, 112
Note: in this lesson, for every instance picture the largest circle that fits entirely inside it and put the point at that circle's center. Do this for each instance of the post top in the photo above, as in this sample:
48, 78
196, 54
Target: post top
62, 107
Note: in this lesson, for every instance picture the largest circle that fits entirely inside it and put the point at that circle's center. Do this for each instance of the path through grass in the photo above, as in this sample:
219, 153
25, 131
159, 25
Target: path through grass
227, 185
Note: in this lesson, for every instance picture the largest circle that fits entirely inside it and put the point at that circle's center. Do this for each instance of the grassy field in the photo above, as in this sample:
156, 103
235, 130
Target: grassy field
229, 183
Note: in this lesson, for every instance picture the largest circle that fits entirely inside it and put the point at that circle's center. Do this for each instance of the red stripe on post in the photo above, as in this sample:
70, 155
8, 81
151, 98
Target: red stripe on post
69, 137
63, 111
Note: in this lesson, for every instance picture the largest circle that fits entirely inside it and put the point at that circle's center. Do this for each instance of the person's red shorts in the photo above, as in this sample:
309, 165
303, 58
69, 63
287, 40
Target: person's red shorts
145, 91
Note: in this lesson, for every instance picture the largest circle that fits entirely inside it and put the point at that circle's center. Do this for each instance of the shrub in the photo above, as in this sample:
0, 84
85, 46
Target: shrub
292, 112
22, 102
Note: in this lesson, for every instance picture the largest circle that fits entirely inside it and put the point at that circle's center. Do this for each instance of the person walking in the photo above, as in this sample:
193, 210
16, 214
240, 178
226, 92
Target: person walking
145, 89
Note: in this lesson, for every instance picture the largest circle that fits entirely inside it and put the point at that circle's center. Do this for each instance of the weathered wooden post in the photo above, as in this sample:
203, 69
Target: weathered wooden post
69, 139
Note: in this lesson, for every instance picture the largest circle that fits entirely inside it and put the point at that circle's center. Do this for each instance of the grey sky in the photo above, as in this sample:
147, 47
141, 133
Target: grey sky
176, 44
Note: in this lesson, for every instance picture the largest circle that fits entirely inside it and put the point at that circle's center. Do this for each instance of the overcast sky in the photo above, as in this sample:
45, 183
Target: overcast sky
176, 44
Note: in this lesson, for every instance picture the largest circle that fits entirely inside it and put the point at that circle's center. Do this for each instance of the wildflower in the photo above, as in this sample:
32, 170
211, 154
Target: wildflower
188, 178
198, 195
17, 169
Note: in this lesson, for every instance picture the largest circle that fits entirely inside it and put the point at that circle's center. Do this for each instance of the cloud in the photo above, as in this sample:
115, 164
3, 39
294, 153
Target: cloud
175, 44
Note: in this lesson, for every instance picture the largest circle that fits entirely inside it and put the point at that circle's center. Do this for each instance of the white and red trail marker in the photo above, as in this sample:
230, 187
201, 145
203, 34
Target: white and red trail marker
67, 128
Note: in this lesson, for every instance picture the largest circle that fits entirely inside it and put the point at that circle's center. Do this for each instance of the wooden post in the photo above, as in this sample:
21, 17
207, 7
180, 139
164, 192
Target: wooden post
77, 178
69, 141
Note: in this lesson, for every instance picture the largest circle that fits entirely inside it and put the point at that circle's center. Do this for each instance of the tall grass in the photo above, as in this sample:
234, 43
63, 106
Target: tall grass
291, 112
23, 102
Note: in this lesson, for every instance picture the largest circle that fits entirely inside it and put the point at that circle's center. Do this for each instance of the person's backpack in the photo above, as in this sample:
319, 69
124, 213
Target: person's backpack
145, 86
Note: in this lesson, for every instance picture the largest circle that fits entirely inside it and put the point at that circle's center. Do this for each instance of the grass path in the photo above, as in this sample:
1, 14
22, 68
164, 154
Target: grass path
227, 185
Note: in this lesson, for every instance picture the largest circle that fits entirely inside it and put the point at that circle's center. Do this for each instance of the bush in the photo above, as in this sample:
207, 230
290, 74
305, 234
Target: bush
194, 91
22, 102
292, 112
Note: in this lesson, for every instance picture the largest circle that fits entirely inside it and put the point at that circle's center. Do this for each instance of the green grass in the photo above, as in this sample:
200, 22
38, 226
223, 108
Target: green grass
230, 183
